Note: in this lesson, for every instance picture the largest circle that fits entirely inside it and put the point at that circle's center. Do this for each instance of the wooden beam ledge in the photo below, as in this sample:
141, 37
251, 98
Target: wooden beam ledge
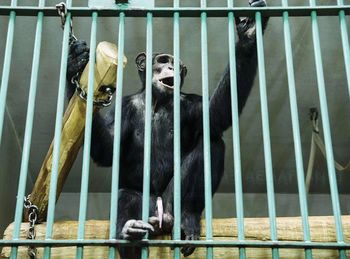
288, 229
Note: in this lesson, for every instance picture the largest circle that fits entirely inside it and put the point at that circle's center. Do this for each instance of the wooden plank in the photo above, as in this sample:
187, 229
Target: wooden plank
288, 229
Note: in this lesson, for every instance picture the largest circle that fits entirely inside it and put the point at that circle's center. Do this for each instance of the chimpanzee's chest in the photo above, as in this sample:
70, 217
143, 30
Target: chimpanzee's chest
161, 148
162, 129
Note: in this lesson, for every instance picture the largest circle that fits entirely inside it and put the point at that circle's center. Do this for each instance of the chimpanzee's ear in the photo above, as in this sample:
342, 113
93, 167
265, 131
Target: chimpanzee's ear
141, 61
183, 71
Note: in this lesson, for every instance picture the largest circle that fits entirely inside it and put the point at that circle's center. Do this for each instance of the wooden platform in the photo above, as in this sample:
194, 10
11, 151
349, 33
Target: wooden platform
289, 229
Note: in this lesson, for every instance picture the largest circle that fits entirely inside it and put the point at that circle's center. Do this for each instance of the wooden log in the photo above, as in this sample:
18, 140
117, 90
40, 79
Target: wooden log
73, 126
288, 229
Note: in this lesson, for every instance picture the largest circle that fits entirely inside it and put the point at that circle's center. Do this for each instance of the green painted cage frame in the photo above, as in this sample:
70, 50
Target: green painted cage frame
284, 11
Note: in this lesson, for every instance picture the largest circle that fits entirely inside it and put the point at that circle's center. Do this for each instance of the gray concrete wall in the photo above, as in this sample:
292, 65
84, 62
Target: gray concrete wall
10, 160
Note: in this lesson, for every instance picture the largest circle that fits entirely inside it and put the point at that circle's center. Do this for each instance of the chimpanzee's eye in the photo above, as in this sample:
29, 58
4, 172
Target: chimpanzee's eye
163, 59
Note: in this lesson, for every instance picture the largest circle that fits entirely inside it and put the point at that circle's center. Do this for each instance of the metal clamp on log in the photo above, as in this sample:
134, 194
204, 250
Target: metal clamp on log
107, 90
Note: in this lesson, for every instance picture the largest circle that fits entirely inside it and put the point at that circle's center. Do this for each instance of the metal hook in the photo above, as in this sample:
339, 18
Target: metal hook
62, 12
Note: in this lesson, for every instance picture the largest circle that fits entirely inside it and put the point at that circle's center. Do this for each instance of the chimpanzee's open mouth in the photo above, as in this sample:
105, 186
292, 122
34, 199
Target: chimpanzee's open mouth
168, 82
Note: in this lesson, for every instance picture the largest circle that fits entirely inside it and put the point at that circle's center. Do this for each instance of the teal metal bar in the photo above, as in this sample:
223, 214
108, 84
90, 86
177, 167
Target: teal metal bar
177, 133
327, 130
266, 132
6, 69
345, 42
117, 132
235, 130
148, 128
87, 137
273, 11
57, 136
206, 132
28, 129
296, 130
175, 243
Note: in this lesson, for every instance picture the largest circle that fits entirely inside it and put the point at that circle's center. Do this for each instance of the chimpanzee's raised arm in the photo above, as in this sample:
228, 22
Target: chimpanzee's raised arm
246, 63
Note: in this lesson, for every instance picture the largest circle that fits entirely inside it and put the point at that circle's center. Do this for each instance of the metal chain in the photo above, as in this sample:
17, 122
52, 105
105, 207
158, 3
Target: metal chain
98, 102
33, 218
62, 12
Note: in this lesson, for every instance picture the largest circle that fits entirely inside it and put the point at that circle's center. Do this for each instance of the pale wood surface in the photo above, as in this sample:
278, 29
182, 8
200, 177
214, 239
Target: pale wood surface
288, 228
73, 126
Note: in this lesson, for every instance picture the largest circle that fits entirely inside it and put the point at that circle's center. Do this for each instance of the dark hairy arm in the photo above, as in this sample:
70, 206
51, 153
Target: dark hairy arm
246, 64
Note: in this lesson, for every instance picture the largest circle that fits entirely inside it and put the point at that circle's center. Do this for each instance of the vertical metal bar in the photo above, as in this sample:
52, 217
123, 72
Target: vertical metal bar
87, 137
28, 127
266, 133
148, 128
206, 131
235, 130
296, 129
326, 130
345, 42
177, 133
57, 136
117, 133
6, 69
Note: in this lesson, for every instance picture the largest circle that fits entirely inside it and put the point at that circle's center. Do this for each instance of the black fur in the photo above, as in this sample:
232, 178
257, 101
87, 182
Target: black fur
192, 158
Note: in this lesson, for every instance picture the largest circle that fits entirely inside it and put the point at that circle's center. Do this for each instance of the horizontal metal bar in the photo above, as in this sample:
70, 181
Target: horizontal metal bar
175, 243
183, 11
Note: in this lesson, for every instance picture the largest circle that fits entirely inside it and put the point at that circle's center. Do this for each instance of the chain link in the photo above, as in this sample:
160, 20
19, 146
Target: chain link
33, 218
98, 102
62, 12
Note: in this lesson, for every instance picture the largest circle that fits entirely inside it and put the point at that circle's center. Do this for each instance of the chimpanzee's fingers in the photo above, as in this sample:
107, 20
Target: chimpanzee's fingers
142, 225
78, 47
154, 221
135, 229
237, 20
257, 3
136, 232
187, 250
77, 65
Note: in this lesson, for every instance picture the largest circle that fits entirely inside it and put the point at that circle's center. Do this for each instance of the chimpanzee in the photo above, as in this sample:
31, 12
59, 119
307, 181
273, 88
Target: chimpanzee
129, 224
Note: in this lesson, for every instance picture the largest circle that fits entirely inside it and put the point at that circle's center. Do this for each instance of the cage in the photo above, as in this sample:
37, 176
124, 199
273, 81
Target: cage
262, 208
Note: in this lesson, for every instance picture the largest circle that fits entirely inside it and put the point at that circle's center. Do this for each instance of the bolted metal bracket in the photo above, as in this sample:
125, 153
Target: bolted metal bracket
121, 4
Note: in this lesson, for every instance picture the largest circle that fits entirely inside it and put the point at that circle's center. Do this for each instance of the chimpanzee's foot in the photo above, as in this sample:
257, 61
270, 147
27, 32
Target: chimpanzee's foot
135, 229
189, 249
257, 3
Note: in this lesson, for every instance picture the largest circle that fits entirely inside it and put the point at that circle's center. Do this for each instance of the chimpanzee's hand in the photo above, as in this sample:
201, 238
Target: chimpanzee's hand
135, 229
77, 59
246, 26
167, 224
257, 3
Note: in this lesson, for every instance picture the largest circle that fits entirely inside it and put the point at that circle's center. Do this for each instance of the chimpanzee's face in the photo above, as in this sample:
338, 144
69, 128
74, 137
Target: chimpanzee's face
163, 71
